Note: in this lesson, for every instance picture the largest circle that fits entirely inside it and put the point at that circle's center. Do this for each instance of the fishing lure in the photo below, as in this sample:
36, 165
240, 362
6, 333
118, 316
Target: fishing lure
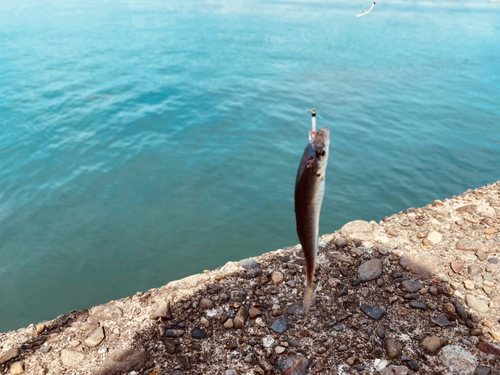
363, 10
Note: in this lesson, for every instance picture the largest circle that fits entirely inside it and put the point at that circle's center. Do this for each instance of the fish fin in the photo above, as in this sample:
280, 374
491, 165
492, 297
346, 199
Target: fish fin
308, 297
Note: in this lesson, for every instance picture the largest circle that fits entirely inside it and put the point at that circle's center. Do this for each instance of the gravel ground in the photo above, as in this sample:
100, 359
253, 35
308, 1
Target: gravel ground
416, 293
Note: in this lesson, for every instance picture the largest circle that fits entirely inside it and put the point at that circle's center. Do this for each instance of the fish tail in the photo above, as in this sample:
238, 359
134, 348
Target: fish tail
308, 296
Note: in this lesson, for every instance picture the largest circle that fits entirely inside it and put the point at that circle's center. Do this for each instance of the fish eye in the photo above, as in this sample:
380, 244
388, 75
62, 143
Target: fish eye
323, 153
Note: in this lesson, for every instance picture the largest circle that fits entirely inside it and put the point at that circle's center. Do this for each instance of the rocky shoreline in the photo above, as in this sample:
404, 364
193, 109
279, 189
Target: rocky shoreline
416, 293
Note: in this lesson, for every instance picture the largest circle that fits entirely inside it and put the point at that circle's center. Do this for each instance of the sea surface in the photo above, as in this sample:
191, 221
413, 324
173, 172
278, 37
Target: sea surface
144, 141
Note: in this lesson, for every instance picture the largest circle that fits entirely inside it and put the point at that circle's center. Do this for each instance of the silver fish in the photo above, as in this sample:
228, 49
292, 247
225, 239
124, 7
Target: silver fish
309, 192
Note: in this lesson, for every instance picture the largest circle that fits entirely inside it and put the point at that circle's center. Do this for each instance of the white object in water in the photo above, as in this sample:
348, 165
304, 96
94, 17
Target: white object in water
363, 10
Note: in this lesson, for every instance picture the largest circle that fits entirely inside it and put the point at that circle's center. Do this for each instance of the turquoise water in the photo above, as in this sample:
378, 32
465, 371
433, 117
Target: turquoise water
141, 142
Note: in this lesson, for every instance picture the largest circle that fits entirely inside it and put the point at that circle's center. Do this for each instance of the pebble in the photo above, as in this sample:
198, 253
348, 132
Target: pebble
394, 348
411, 286
418, 305
8, 355
373, 312
468, 245
358, 229
457, 267
280, 325
469, 284
342, 348
474, 269
175, 332
461, 310
105, 312
277, 277
482, 370
370, 270
476, 304
431, 344
421, 265
442, 321
380, 332
267, 341
163, 311
228, 324
206, 304
493, 260
249, 264
434, 237
449, 307
46, 349
238, 295
294, 365
17, 368
481, 255
102, 350
198, 333
231, 372
413, 365
279, 349
260, 322
458, 360
254, 312
95, 338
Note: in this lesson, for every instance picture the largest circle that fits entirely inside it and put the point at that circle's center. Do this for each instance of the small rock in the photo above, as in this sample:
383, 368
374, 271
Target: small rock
434, 237
95, 338
418, 305
413, 365
231, 372
482, 370
104, 313
457, 267
421, 265
238, 295
254, 312
476, 304
380, 332
394, 348
206, 303
45, 349
241, 317
249, 264
8, 355
280, 325
449, 307
228, 324
460, 311
469, 284
198, 333
17, 368
102, 350
277, 277
373, 312
163, 311
481, 255
204, 321
293, 365
400, 370
411, 286
175, 332
267, 341
432, 344
370, 270
458, 360
488, 349
279, 349
468, 245
39, 328
474, 269
493, 260
442, 321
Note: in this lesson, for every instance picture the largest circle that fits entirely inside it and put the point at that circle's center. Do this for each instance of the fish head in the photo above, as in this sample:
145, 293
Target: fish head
321, 145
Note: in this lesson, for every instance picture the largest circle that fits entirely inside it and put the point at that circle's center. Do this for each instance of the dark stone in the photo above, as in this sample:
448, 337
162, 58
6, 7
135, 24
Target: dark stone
493, 260
198, 333
396, 274
341, 243
170, 348
223, 298
294, 308
356, 282
253, 273
344, 291
238, 295
214, 288
418, 305
177, 372
461, 311
338, 328
413, 365
411, 296
381, 332
373, 312
280, 325
442, 321
342, 348
286, 258
370, 270
411, 286
377, 352
293, 365
249, 264
482, 370
400, 280
174, 332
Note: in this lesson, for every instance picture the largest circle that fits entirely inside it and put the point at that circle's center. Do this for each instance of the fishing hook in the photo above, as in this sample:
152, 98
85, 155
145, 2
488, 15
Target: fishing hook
363, 10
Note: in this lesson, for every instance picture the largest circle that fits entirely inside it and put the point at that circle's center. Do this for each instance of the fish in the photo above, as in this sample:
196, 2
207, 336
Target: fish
309, 193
